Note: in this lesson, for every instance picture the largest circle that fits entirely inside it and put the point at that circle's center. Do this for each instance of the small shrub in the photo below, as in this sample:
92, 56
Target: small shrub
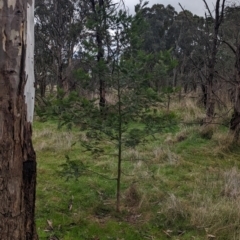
166, 155
175, 208
132, 196
206, 132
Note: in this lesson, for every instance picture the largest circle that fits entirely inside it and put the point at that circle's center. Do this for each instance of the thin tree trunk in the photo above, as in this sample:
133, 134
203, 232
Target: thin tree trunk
235, 121
17, 157
210, 101
100, 54
119, 167
42, 86
175, 75
102, 90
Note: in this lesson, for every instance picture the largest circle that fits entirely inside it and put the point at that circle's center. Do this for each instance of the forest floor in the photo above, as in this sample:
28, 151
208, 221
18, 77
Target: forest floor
183, 183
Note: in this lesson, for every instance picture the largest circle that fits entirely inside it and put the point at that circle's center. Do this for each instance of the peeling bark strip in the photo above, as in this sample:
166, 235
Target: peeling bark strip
17, 157
29, 90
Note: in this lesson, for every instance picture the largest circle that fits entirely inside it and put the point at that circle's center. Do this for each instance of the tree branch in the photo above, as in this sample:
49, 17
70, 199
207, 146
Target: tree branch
184, 11
230, 46
222, 11
208, 8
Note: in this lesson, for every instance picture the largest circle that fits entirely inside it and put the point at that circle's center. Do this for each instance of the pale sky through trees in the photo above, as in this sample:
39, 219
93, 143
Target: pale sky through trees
195, 6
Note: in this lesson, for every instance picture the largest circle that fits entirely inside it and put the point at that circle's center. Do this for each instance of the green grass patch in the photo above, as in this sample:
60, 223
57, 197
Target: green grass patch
179, 184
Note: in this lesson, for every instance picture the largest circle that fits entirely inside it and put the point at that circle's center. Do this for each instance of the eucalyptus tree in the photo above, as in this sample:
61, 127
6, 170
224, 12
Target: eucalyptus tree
159, 20
98, 44
166, 29
180, 38
101, 29
231, 54
152, 31
58, 29
212, 48
17, 156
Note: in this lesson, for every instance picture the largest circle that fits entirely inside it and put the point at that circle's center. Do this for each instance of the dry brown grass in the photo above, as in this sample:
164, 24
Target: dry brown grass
207, 131
232, 183
213, 206
132, 155
191, 109
50, 139
175, 208
217, 217
165, 155
224, 143
132, 196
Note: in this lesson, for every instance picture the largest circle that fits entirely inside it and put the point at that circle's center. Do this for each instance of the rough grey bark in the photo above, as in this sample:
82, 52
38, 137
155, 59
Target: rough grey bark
17, 156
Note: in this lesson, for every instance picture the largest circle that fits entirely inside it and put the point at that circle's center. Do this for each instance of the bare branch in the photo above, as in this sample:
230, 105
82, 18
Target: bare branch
230, 46
217, 21
208, 8
184, 11
222, 11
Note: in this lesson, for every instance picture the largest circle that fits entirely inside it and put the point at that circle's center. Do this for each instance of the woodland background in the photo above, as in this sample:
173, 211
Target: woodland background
141, 115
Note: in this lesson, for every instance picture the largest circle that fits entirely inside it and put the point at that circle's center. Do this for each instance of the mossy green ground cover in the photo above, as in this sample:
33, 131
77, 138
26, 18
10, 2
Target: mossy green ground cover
178, 185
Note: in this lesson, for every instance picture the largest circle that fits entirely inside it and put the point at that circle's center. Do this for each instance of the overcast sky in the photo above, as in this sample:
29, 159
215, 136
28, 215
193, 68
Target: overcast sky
195, 6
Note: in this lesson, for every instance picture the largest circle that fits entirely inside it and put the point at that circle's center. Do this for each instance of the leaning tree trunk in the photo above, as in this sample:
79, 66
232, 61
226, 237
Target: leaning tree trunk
17, 157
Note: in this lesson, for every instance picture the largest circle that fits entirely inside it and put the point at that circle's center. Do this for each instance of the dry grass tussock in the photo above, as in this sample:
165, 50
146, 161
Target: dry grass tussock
217, 215
217, 218
174, 208
192, 111
111, 96
183, 134
212, 207
50, 139
165, 155
132, 197
207, 131
231, 187
132, 155
224, 143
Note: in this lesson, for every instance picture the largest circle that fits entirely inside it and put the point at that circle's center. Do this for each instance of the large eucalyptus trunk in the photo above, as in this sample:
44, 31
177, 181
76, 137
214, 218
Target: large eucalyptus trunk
17, 157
